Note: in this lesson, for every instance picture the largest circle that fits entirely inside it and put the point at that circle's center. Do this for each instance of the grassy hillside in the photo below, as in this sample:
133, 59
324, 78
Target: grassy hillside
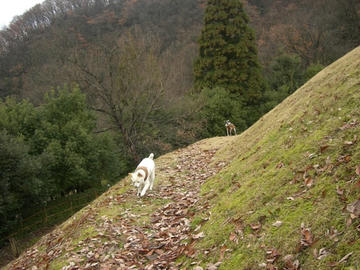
282, 200
278, 196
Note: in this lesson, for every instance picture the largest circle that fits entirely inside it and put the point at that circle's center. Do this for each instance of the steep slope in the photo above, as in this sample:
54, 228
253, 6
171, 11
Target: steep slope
290, 198
280, 196
121, 231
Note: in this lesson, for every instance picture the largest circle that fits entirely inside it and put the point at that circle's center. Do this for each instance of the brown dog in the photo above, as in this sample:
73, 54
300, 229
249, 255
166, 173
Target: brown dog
230, 127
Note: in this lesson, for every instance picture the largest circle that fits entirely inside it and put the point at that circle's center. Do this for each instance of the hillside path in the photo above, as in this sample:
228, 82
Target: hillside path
120, 231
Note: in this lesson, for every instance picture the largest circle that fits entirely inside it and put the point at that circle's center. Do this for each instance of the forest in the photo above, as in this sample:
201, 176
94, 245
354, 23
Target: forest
88, 88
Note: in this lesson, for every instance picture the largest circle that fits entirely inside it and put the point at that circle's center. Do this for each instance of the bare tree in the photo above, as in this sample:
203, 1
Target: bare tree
124, 82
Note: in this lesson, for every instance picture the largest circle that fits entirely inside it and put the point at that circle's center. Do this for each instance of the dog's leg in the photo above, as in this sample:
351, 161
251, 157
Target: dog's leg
138, 191
146, 187
152, 179
235, 131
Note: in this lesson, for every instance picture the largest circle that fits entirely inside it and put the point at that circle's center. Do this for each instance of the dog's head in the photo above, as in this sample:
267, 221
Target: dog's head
137, 178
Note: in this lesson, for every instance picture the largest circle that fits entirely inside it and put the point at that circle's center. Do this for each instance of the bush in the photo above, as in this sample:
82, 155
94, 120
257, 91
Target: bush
50, 150
220, 105
20, 184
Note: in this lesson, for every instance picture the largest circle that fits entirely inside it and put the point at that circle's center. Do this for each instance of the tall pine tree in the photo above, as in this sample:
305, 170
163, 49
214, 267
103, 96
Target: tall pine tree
228, 54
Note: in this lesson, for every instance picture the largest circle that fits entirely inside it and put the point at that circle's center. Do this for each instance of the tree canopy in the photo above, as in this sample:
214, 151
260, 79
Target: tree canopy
228, 54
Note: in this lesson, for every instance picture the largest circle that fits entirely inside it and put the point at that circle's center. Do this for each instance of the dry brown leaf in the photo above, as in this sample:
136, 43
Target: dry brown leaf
339, 191
292, 265
309, 181
212, 266
278, 223
306, 236
346, 257
199, 235
255, 226
159, 251
323, 148
233, 236
222, 252
348, 221
280, 165
357, 170
354, 208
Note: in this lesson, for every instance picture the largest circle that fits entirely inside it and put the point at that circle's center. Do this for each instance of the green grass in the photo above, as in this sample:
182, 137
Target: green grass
255, 187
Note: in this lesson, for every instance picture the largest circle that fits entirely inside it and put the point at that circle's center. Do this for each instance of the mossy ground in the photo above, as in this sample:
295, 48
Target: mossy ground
303, 137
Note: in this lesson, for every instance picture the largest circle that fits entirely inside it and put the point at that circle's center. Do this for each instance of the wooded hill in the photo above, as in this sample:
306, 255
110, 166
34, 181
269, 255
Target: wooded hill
282, 195
121, 74
40, 49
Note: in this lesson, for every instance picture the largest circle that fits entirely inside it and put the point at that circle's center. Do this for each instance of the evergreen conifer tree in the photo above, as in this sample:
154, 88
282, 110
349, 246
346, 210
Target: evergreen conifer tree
228, 54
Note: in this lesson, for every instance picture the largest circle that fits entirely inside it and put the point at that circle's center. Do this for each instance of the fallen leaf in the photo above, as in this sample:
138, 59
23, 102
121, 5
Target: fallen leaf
159, 251
288, 257
199, 235
222, 252
212, 266
292, 265
339, 191
333, 264
322, 254
357, 170
280, 165
255, 226
309, 181
354, 208
323, 148
233, 237
348, 221
346, 257
278, 223
306, 236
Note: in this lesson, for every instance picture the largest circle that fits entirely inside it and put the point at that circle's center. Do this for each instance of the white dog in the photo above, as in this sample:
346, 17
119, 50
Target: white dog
144, 175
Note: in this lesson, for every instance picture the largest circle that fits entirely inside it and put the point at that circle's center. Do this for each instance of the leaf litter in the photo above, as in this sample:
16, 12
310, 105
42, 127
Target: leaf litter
121, 241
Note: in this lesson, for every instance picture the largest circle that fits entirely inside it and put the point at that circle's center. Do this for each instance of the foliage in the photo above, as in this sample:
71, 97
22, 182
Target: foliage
220, 105
312, 70
285, 75
65, 134
50, 150
228, 54
20, 182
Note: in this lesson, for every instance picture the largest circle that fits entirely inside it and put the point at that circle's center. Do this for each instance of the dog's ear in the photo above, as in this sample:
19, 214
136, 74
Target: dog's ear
139, 174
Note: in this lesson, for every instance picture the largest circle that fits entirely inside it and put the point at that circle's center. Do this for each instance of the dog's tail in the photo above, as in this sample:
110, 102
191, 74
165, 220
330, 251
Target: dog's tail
151, 156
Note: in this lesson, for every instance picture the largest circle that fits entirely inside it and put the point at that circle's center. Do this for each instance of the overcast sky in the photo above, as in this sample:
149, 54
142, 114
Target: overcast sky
11, 8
